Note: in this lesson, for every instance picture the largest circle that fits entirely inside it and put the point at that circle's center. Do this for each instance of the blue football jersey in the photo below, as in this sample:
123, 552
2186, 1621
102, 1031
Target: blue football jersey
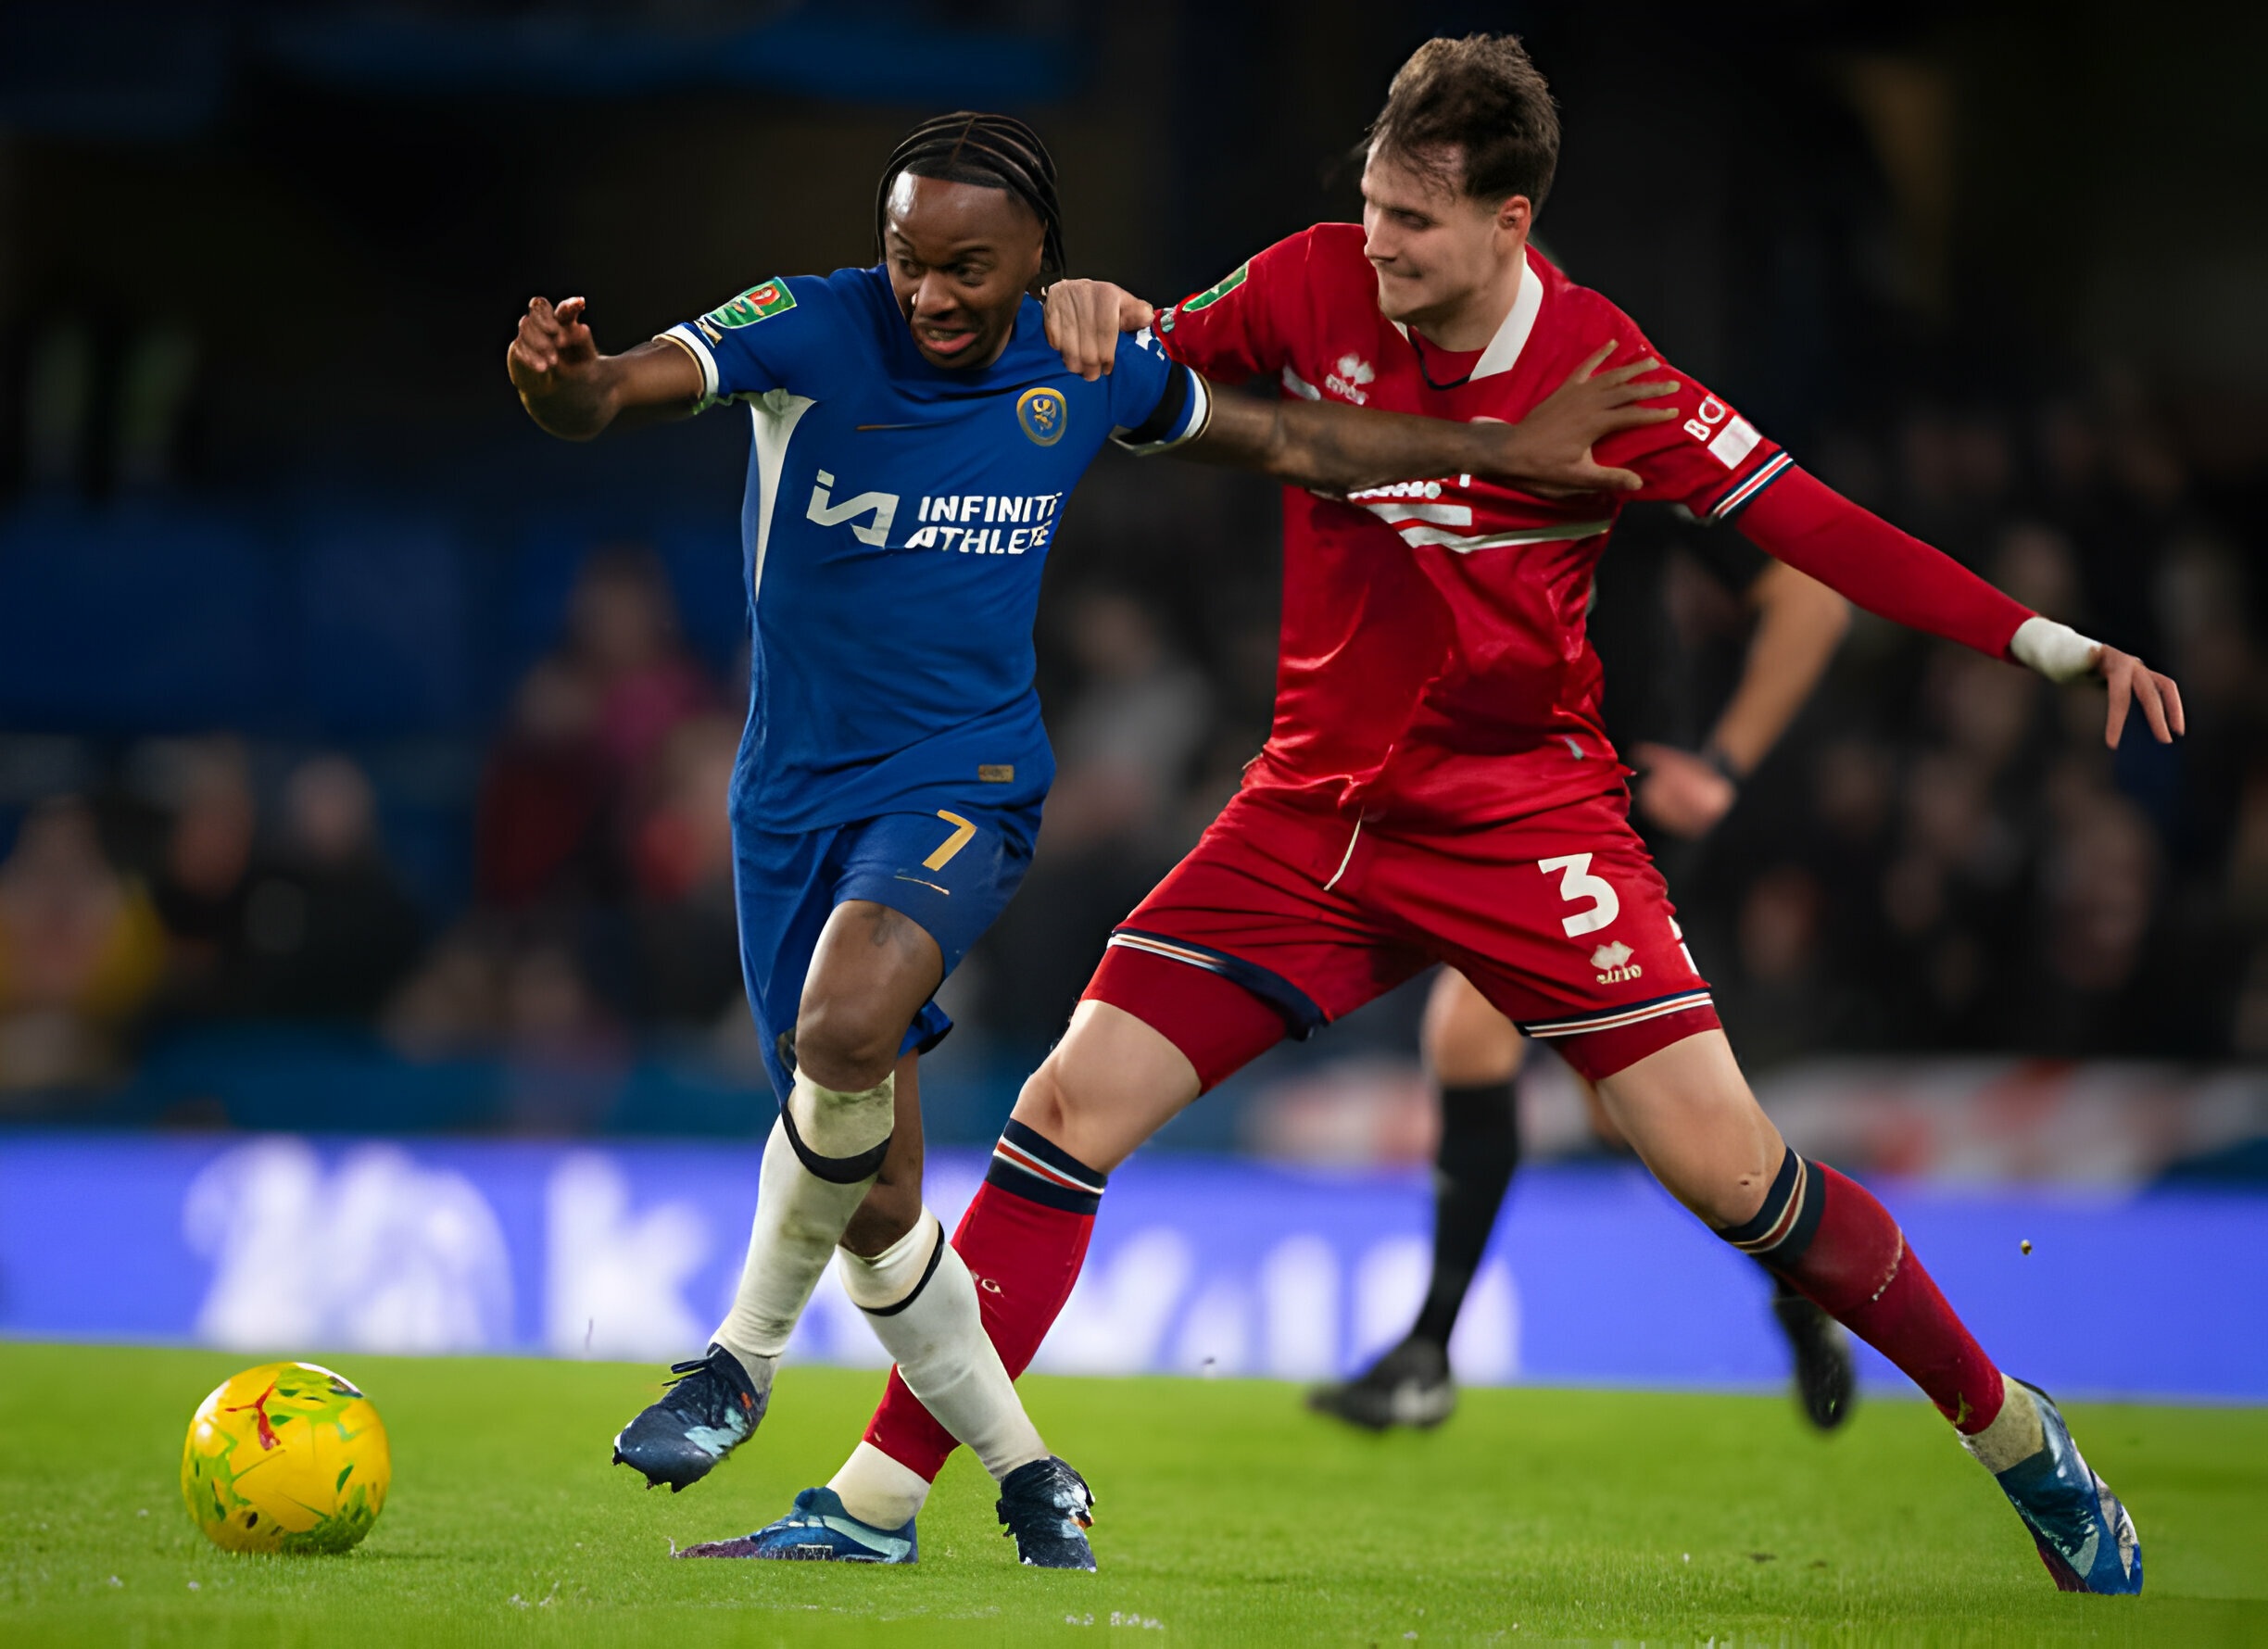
897, 520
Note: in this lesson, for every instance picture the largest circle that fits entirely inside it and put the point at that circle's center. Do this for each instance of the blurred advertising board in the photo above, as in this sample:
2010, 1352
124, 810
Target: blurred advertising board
1205, 1266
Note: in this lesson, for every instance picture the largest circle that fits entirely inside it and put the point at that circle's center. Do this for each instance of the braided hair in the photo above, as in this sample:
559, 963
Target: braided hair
992, 151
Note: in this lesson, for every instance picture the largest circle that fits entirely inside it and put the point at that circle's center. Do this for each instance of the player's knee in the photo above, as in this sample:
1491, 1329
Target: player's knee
846, 1045
1046, 1102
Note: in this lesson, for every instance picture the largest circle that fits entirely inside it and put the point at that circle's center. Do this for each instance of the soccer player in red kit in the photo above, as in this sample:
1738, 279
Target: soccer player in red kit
1437, 786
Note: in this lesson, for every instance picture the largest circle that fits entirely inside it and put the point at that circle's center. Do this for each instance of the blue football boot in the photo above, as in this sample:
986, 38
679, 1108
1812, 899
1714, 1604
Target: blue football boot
2083, 1534
710, 1409
1045, 1506
818, 1530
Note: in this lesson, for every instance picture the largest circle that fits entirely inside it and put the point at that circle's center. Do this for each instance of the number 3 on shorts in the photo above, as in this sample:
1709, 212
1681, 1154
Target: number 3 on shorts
962, 830
1577, 882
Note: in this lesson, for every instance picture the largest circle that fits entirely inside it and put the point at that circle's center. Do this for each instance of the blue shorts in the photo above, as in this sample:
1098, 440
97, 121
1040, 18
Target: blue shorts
952, 872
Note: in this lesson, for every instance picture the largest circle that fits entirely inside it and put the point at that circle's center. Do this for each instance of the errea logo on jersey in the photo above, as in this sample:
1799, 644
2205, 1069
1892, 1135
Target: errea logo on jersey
1352, 373
1613, 964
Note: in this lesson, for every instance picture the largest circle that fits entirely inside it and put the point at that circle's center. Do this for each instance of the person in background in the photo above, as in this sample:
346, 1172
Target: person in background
203, 874
81, 952
329, 928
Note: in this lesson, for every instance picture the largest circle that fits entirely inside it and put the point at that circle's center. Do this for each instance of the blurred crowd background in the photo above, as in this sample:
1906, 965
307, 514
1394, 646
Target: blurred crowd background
362, 754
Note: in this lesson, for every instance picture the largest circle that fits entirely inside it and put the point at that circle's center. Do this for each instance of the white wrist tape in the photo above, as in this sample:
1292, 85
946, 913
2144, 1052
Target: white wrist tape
2057, 652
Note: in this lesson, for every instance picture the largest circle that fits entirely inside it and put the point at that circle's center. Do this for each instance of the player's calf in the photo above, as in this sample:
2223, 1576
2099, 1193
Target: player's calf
1829, 1238
818, 1165
922, 1303
1834, 1241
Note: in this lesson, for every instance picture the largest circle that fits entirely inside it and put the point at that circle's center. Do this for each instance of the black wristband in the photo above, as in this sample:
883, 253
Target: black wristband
1713, 753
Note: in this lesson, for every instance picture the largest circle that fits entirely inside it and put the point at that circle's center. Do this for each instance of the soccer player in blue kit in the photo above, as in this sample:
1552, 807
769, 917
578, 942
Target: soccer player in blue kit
916, 435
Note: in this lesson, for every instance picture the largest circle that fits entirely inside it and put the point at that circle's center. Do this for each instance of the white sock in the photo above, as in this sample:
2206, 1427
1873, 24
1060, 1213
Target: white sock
799, 1218
875, 1489
833, 1122
2015, 1432
934, 1329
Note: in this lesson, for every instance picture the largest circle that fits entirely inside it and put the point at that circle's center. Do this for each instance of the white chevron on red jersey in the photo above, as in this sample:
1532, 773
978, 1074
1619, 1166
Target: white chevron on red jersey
1433, 667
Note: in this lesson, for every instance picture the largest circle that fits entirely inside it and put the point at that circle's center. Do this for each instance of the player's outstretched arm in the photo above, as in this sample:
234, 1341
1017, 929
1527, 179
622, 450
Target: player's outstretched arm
1342, 450
1814, 529
576, 392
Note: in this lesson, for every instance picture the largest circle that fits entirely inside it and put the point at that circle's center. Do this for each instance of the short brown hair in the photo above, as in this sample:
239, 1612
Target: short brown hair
1483, 96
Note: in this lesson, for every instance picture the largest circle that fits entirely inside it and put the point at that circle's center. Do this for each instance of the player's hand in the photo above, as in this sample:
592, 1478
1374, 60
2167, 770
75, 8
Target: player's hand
554, 347
2133, 683
1085, 319
1681, 792
1550, 449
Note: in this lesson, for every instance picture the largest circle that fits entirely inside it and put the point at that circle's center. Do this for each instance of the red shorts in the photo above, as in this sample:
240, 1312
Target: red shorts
1281, 920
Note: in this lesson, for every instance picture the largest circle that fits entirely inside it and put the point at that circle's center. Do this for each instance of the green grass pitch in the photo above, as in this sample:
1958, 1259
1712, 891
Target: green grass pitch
1227, 1516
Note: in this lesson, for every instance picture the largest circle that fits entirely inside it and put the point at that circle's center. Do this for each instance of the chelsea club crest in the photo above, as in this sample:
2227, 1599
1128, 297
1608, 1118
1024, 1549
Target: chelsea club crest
1043, 413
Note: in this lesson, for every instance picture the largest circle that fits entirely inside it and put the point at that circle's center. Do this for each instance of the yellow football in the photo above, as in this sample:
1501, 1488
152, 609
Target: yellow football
285, 1458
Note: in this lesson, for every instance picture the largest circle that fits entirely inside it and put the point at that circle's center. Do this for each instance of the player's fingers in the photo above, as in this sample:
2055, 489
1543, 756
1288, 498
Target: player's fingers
570, 308
539, 329
2154, 706
1605, 479
535, 347
1071, 327
1096, 339
1591, 365
2116, 724
1653, 391
1624, 374
2174, 716
1633, 418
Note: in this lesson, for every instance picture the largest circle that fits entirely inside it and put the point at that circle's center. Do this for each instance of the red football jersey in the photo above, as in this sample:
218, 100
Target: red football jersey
1433, 667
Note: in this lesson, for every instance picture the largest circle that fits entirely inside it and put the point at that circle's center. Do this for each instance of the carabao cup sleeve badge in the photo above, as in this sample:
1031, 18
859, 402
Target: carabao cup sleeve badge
758, 303
1043, 413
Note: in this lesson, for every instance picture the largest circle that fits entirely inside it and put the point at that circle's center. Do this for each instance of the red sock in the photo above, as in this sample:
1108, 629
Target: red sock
1024, 1238
1830, 1239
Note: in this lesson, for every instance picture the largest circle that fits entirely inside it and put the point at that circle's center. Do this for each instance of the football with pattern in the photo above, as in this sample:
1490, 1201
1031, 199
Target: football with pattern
285, 1458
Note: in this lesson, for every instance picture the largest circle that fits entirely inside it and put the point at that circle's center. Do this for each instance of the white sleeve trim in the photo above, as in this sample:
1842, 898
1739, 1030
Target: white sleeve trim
2057, 652
691, 342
